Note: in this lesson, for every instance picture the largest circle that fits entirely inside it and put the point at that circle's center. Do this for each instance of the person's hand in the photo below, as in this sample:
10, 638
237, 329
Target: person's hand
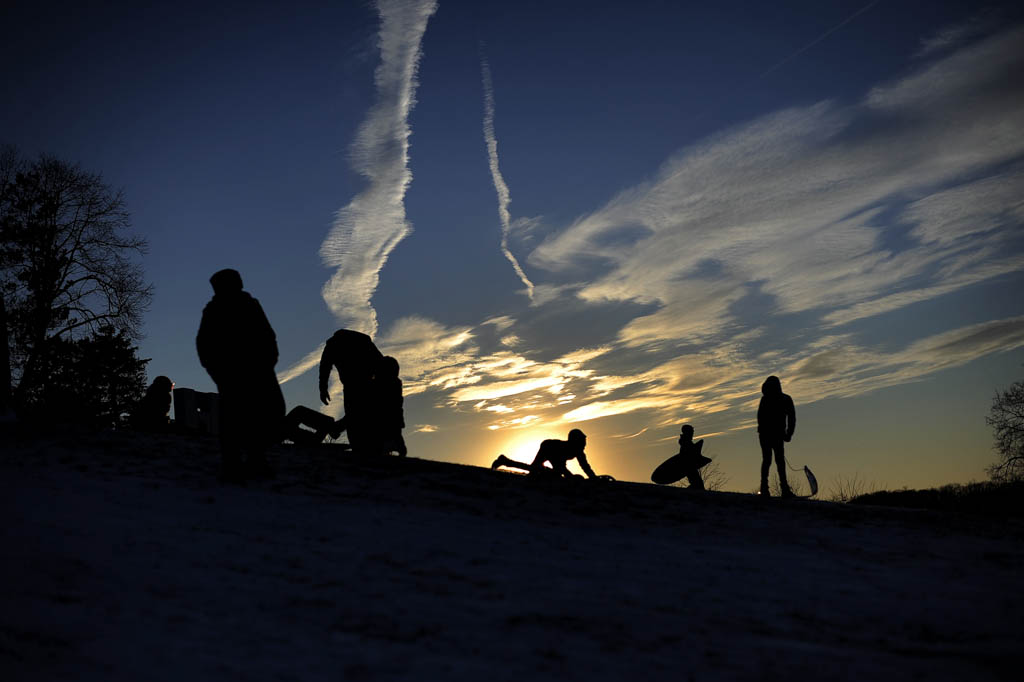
788, 437
325, 397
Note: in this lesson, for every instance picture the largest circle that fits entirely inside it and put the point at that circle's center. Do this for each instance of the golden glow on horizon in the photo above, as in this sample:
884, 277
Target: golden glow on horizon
523, 445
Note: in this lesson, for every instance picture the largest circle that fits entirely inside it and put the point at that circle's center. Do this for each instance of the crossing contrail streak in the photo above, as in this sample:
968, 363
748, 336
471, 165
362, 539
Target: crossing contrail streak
820, 38
499, 182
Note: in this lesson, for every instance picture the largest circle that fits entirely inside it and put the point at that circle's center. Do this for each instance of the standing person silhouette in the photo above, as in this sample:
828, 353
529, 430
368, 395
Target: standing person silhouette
776, 421
389, 417
238, 348
356, 358
556, 453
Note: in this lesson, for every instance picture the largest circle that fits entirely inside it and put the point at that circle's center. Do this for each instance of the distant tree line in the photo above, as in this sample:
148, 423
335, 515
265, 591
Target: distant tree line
73, 294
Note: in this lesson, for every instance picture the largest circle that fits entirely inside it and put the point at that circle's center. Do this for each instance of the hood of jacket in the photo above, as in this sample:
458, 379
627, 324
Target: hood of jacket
771, 386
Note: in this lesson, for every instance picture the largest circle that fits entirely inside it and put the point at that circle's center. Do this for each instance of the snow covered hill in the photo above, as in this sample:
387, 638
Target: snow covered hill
123, 558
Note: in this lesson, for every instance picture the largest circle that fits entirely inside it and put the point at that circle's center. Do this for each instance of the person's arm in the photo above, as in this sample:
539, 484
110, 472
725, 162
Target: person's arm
268, 339
203, 341
401, 403
206, 345
325, 374
790, 418
585, 465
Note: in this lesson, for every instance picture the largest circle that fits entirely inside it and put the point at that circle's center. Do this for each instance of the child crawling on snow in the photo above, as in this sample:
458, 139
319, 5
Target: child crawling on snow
556, 453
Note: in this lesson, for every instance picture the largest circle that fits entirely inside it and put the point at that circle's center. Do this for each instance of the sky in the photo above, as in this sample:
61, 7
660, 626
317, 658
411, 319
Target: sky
619, 217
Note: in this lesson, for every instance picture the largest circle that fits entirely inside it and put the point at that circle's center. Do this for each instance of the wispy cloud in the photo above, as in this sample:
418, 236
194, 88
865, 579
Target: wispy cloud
954, 36
431, 355
499, 181
840, 368
753, 252
796, 210
366, 230
825, 214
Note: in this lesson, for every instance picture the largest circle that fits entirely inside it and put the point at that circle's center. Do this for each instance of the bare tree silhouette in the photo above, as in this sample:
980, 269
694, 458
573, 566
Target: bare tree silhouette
67, 261
1007, 421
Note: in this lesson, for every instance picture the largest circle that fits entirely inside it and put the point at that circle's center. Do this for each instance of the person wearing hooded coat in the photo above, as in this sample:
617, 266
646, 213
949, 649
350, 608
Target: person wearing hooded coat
238, 348
356, 358
776, 422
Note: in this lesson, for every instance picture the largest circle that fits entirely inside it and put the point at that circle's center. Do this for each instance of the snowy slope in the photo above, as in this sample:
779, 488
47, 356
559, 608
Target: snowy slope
124, 559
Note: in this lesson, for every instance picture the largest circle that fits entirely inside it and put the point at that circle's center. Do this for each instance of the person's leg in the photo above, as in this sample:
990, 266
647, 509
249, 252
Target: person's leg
271, 412
305, 416
337, 427
321, 424
310, 417
292, 420
558, 469
356, 435
232, 432
360, 423
503, 461
766, 462
780, 464
696, 482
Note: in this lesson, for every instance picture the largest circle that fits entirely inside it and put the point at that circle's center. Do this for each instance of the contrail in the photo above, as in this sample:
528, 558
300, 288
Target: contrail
307, 363
820, 38
367, 230
739, 86
499, 182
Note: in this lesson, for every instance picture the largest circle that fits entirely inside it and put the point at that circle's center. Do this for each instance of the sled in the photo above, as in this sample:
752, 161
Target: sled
677, 466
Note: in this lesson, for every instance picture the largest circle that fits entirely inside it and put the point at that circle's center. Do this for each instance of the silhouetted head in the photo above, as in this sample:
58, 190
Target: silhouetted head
388, 367
226, 281
162, 384
577, 439
687, 431
771, 385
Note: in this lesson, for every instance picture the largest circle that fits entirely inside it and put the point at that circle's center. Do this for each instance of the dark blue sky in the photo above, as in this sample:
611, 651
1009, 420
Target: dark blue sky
700, 195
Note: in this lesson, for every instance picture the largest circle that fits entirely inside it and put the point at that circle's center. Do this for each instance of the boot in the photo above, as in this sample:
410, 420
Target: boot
784, 485
764, 489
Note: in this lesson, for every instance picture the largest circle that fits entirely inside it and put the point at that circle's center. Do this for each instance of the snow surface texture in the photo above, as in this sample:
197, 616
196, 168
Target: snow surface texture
124, 559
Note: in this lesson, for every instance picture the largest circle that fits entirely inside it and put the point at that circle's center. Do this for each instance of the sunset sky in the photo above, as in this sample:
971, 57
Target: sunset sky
618, 217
